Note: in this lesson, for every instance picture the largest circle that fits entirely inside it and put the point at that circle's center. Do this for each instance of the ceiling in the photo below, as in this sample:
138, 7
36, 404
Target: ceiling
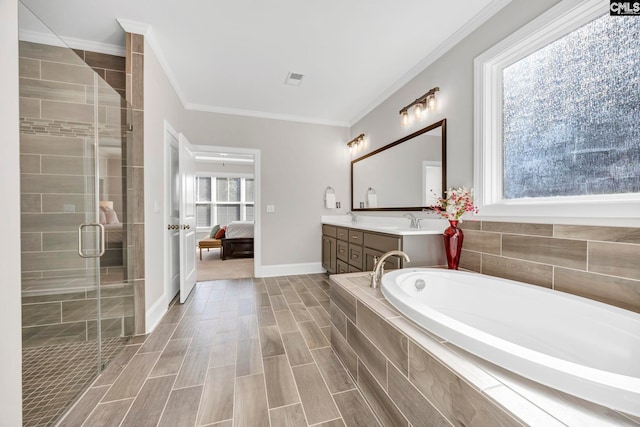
234, 56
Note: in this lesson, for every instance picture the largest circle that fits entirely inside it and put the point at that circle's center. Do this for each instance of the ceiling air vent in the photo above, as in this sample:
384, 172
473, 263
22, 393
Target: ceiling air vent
294, 79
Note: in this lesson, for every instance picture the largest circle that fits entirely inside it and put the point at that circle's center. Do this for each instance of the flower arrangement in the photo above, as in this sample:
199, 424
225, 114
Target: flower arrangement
457, 202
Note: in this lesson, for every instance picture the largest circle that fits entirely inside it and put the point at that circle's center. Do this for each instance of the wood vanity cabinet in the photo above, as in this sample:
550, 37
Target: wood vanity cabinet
348, 250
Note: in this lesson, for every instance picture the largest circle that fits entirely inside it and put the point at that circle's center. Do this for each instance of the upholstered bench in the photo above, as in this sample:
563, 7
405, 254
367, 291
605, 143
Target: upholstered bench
209, 243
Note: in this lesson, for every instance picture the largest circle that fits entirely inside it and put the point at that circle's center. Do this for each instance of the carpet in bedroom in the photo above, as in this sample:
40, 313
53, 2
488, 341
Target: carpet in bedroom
213, 268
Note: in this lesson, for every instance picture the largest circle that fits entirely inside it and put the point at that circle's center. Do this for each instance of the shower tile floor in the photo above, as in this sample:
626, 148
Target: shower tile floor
242, 352
53, 375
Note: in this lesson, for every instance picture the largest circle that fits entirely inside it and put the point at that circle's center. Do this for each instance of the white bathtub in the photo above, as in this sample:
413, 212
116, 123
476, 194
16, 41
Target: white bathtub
582, 347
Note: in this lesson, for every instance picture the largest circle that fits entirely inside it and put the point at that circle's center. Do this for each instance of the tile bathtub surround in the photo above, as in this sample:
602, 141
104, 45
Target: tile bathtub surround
239, 353
412, 378
600, 263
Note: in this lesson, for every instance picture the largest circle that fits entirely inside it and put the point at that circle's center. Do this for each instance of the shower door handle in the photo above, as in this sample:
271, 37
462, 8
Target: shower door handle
80, 245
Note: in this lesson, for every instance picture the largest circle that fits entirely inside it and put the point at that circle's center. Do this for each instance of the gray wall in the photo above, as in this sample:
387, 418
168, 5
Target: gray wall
10, 350
453, 73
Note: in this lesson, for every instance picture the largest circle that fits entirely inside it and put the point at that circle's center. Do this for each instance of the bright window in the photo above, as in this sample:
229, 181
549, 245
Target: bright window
222, 200
557, 113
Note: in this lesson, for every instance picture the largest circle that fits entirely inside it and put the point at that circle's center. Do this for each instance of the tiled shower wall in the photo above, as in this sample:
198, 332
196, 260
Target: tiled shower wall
600, 263
57, 129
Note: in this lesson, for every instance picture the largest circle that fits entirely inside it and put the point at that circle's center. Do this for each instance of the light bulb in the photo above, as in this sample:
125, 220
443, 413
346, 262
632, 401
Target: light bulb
405, 117
432, 102
418, 110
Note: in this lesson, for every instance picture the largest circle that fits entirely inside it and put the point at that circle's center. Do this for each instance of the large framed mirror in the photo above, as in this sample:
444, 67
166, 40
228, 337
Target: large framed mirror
406, 175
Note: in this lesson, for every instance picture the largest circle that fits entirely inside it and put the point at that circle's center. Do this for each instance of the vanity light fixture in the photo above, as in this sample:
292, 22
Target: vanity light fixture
356, 143
427, 102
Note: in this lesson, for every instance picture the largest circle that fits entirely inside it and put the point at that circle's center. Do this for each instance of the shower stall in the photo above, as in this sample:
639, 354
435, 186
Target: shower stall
77, 193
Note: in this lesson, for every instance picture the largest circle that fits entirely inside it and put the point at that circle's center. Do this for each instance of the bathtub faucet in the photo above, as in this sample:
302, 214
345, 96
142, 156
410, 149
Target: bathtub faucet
378, 268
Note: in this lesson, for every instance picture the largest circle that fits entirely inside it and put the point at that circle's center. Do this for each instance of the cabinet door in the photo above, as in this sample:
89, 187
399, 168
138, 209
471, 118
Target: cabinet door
355, 256
342, 250
329, 254
342, 267
391, 263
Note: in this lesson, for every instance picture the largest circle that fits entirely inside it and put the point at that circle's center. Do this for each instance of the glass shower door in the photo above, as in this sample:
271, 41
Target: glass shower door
77, 296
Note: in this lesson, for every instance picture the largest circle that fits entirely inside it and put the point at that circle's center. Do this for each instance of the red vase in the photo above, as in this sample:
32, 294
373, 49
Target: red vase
453, 238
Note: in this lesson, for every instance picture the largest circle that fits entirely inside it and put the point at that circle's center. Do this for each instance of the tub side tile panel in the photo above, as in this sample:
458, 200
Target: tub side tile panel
344, 300
338, 319
523, 271
388, 339
379, 400
456, 399
616, 259
562, 252
368, 353
412, 403
344, 352
623, 293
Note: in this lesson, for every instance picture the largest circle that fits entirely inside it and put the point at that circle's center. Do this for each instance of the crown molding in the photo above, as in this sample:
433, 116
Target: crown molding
134, 27
70, 42
479, 19
264, 115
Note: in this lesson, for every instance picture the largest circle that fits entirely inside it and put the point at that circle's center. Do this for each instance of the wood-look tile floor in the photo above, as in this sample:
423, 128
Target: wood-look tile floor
242, 353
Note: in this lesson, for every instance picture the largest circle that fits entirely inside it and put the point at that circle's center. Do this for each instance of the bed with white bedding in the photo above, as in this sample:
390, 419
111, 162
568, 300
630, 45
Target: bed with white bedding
238, 240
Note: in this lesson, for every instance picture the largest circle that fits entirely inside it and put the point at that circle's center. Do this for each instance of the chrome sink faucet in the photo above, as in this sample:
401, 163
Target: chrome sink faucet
378, 269
415, 222
354, 218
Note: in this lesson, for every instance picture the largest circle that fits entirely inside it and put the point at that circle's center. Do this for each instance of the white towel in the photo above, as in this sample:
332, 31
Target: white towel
372, 200
330, 201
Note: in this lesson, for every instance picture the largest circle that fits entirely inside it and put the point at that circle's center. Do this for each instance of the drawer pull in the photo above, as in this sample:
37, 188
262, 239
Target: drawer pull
341, 251
355, 256
355, 237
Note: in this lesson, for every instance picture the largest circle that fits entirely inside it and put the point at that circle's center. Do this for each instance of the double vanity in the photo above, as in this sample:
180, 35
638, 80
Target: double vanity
351, 246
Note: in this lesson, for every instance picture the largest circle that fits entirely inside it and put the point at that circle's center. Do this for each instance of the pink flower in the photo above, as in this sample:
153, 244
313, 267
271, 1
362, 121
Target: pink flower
457, 202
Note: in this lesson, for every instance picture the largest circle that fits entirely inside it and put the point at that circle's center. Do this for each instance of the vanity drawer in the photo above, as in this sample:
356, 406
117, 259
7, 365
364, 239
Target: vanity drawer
391, 263
342, 267
329, 230
355, 237
381, 242
353, 269
342, 250
342, 233
355, 256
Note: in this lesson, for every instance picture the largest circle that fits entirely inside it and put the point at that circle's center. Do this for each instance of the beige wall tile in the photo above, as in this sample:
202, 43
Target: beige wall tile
29, 163
59, 203
41, 314
139, 306
616, 291
562, 252
30, 68
354, 409
137, 81
344, 352
45, 144
470, 225
67, 165
523, 271
48, 53
103, 60
60, 241
75, 112
518, 228
31, 242
344, 300
30, 203
470, 260
615, 259
137, 43
606, 234
29, 107
481, 241
59, 260
116, 79
332, 371
56, 91
68, 73
53, 184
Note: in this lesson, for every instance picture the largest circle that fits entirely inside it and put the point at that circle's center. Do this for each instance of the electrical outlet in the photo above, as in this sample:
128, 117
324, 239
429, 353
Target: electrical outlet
271, 208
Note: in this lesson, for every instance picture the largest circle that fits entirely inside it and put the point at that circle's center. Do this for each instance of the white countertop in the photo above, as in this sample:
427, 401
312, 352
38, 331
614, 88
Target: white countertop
388, 225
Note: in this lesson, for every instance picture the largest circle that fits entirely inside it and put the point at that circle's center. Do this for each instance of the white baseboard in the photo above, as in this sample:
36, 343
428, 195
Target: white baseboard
154, 314
289, 269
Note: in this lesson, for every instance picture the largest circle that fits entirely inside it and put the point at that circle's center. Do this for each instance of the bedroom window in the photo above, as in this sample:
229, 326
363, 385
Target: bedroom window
556, 117
221, 200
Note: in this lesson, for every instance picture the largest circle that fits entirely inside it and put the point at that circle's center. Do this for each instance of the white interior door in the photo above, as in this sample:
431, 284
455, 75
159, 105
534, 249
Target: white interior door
187, 218
173, 213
